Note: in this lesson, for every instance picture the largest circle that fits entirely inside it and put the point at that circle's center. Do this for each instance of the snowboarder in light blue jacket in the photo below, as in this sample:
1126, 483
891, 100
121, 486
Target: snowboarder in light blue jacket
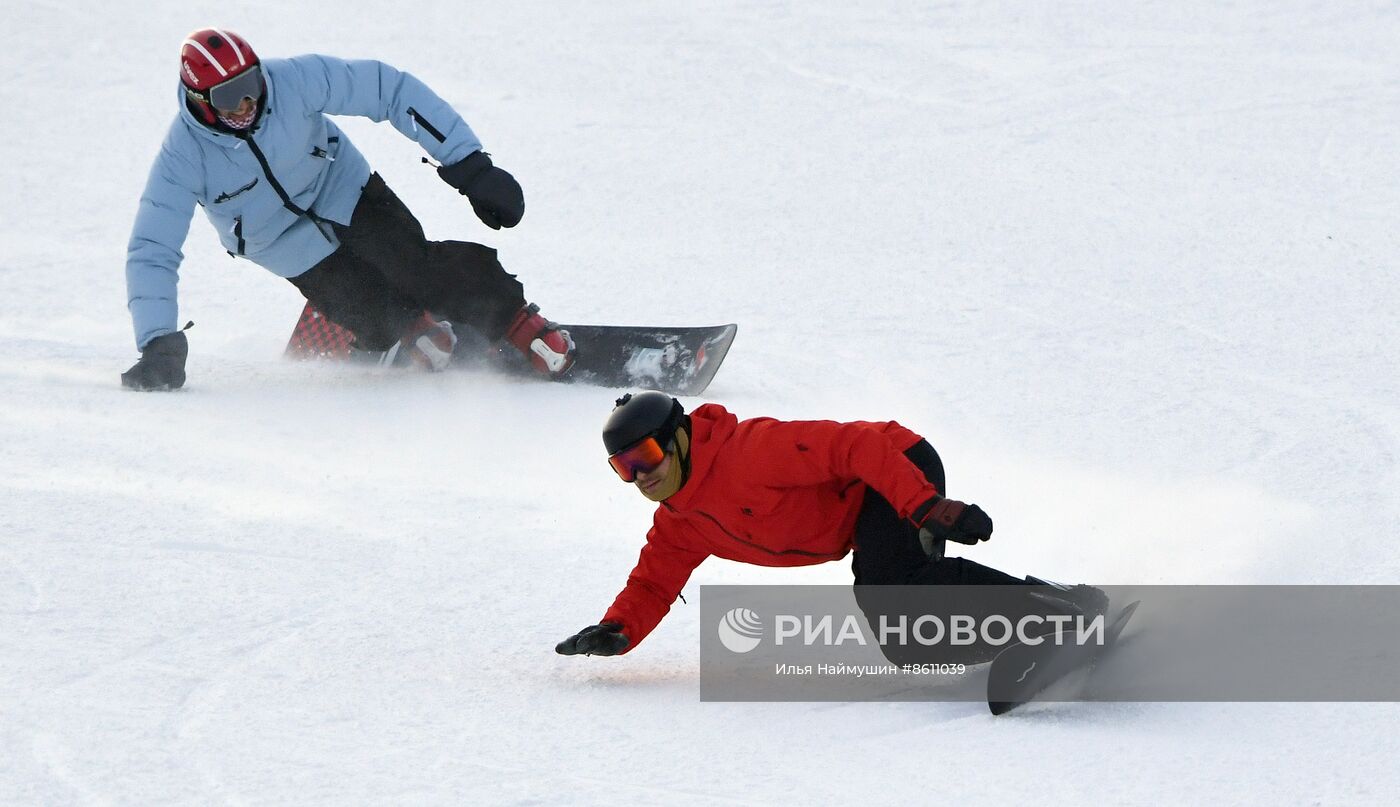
286, 189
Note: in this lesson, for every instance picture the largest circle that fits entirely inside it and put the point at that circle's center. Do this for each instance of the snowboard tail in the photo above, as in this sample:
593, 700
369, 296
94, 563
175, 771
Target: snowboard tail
678, 361
1022, 671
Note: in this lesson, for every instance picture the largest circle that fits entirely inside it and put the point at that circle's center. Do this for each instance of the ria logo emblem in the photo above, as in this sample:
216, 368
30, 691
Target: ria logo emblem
740, 630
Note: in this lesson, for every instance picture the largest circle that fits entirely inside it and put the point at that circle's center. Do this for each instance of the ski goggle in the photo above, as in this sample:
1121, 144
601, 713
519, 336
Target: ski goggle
640, 457
228, 95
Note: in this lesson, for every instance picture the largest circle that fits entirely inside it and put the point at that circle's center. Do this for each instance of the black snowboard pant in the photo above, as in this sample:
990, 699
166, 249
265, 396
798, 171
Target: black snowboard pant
386, 273
889, 553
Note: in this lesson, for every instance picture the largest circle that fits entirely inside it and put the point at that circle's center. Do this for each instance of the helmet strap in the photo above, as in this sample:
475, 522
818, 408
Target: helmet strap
683, 450
683, 444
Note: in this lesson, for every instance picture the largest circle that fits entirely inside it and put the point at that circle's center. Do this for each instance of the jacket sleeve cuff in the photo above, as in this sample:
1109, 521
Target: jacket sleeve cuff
920, 514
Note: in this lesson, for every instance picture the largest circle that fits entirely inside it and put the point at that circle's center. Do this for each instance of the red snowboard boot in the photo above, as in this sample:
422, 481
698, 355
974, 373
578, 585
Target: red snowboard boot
549, 347
427, 343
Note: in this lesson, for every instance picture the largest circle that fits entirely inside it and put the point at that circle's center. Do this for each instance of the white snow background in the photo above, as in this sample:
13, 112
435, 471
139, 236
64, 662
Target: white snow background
1129, 266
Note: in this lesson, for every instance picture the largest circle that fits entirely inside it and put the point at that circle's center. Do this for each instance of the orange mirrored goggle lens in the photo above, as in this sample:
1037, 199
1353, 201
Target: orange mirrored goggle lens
643, 456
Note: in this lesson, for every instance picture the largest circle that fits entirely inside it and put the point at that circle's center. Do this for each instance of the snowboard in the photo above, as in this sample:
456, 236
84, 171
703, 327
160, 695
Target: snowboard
1022, 671
677, 361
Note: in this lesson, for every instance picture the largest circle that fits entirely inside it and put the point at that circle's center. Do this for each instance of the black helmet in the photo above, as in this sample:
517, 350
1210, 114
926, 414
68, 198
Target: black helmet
637, 417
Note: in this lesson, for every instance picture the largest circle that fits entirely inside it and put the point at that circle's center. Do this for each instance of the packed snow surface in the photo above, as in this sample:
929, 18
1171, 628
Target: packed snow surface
1129, 267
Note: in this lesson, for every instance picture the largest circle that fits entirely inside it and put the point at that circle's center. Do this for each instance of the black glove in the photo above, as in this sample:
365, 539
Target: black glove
162, 364
495, 195
953, 520
605, 639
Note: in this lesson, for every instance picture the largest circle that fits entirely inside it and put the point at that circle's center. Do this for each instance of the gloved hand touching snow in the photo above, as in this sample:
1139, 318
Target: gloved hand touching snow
604, 639
162, 364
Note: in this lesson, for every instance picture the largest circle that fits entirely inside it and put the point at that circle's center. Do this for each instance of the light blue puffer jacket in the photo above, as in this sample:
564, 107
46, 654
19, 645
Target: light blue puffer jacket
316, 165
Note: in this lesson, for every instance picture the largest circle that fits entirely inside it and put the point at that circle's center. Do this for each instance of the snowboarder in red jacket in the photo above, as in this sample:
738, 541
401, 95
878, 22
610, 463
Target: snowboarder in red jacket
783, 493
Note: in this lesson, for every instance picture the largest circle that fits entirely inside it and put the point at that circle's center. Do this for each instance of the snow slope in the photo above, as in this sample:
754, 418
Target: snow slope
1129, 268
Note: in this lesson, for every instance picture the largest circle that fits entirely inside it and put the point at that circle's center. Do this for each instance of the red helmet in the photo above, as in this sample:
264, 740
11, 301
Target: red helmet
218, 70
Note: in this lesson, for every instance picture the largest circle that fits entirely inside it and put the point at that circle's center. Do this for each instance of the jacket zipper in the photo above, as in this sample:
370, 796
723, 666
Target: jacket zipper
267, 172
428, 127
238, 232
282, 194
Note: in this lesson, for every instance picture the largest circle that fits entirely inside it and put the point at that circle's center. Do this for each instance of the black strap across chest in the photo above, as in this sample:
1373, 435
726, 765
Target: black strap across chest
272, 180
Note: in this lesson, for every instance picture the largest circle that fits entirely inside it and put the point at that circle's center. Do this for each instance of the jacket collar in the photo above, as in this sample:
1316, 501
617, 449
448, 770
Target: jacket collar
711, 426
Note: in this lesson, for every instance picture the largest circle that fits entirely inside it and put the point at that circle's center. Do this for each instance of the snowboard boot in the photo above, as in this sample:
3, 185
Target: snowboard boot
427, 343
1080, 599
549, 348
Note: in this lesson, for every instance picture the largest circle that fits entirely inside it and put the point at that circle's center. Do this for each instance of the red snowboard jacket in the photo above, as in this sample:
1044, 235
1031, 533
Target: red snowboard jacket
768, 492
